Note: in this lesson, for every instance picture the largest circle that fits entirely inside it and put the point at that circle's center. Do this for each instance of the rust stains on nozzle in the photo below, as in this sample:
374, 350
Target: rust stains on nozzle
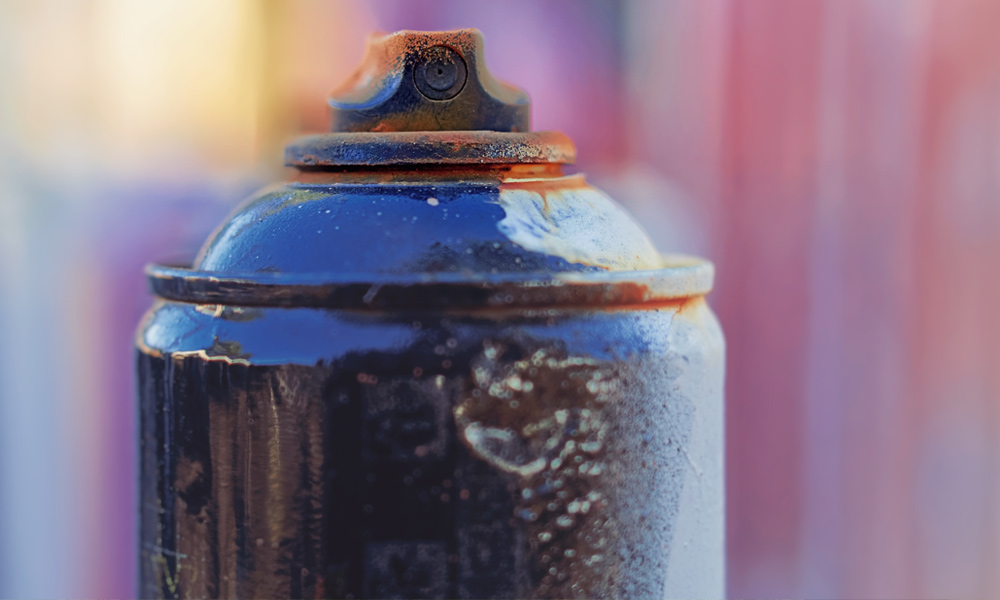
422, 81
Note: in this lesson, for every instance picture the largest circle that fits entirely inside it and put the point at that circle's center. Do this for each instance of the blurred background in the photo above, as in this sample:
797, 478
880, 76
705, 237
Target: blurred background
839, 160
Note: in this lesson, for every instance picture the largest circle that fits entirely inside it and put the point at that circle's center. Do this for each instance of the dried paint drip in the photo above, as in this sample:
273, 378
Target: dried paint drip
540, 418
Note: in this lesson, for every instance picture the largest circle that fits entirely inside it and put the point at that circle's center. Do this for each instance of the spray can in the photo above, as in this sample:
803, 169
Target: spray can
432, 365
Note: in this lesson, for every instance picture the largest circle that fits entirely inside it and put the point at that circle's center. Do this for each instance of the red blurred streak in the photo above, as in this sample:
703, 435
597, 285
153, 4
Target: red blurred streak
955, 363
767, 172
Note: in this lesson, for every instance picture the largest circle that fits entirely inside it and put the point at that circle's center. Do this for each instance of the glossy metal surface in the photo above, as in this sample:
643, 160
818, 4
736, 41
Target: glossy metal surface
469, 380
323, 453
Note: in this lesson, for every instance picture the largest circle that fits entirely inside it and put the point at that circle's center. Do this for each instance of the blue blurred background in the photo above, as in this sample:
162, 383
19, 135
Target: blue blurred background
839, 160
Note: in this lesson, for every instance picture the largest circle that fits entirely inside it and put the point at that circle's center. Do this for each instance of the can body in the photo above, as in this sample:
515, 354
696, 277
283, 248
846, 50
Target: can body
310, 452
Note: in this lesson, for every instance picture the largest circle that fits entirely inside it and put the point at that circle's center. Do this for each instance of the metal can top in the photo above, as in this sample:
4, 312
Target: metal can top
424, 98
430, 192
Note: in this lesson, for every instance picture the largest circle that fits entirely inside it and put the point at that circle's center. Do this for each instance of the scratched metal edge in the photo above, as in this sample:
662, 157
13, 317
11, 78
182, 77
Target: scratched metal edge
684, 277
429, 148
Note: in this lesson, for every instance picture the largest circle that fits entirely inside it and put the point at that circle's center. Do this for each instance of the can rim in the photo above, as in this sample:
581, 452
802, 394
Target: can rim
400, 148
681, 277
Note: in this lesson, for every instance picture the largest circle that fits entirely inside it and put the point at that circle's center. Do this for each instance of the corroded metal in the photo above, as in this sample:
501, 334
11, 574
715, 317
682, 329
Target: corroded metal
429, 148
397, 87
427, 378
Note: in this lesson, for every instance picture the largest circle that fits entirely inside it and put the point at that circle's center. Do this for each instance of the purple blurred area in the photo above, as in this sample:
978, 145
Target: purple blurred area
839, 161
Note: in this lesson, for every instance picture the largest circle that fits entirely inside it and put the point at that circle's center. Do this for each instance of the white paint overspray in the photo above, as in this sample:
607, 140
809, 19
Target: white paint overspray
618, 463
697, 565
580, 224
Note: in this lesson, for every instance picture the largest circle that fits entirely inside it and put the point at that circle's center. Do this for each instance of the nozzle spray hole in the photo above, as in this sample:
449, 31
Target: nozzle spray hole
440, 73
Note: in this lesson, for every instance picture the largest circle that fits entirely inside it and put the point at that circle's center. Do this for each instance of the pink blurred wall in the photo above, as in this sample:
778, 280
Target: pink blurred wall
846, 158
859, 236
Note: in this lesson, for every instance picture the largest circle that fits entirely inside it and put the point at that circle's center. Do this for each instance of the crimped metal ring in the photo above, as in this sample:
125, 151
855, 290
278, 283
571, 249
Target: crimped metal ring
682, 277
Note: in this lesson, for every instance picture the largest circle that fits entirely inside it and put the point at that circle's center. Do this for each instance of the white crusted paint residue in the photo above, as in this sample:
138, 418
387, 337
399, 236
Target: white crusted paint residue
581, 225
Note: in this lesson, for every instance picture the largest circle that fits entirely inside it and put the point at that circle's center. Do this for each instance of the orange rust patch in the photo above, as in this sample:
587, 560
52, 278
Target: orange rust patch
388, 59
568, 182
387, 52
